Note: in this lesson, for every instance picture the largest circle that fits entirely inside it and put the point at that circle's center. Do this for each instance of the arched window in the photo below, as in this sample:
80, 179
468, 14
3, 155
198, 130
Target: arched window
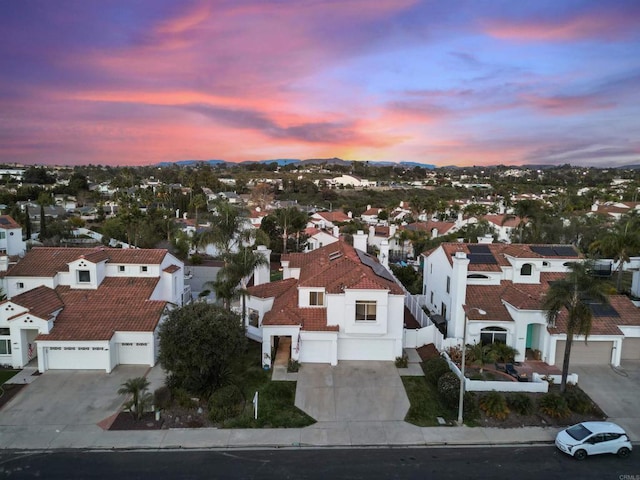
526, 269
491, 335
477, 275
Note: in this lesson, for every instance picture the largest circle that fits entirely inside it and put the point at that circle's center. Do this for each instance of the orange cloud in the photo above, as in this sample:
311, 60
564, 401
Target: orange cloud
567, 105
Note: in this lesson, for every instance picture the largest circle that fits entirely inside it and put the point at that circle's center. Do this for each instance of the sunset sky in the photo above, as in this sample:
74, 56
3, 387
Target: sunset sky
440, 82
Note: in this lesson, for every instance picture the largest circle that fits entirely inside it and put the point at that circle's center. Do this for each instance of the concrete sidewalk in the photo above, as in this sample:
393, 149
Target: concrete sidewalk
322, 434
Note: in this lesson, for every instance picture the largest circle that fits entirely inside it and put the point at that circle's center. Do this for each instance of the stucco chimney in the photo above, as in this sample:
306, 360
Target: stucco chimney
488, 238
458, 292
360, 241
383, 256
392, 230
4, 263
350, 214
336, 231
262, 274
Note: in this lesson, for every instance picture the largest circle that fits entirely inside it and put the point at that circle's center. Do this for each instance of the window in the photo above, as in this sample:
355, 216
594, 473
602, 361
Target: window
3, 234
365, 311
477, 275
431, 299
443, 310
121, 268
5, 347
493, 335
143, 268
525, 271
5, 331
316, 298
20, 285
84, 276
254, 317
448, 284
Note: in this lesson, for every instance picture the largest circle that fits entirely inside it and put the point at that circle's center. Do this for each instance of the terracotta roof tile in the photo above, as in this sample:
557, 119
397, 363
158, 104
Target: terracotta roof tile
41, 301
8, 223
171, 268
119, 304
629, 315
48, 261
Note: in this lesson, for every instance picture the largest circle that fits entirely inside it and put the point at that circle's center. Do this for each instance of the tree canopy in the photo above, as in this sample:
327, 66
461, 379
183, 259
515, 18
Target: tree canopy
197, 344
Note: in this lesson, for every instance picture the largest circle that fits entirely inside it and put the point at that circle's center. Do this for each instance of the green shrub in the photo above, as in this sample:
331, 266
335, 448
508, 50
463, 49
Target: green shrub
502, 352
449, 389
293, 366
225, 402
494, 405
554, 405
434, 368
577, 400
403, 361
471, 410
520, 403
195, 259
183, 398
162, 397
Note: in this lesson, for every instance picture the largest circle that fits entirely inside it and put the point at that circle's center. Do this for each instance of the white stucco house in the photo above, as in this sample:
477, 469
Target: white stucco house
334, 303
508, 283
87, 308
317, 238
11, 242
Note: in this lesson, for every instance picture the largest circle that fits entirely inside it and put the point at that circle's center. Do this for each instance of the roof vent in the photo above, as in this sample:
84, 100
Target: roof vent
335, 255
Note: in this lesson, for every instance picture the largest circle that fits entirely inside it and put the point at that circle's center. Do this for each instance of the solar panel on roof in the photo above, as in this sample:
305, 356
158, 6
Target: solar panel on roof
565, 251
378, 269
479, 248
481, 259
543, 250
603, 310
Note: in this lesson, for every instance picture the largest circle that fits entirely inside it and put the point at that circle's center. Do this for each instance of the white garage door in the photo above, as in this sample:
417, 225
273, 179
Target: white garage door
133, 353
631, 349
593, 353
361, 349
76, 358
315, 351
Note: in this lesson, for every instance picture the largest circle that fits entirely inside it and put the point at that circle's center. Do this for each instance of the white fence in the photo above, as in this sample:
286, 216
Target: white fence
416, 338
416, 310
538, 383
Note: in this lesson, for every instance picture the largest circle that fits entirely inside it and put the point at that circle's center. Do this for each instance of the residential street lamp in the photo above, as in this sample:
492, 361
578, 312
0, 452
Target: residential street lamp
464, 358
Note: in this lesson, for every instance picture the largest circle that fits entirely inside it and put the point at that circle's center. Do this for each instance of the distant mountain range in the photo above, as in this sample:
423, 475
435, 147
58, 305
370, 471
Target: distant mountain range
310, 161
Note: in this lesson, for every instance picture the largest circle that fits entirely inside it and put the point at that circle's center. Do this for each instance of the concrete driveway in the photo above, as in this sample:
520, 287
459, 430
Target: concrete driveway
69, 397
352, 391
616, 392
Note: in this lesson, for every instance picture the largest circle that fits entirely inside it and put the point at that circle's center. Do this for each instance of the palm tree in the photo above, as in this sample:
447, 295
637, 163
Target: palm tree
620, 244
480, 355
241, 267
571, 298
197, 203
140, 397
290, 220
226, 225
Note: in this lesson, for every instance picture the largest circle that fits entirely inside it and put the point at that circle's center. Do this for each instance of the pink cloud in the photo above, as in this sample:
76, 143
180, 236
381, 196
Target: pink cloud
603, 24
566, 104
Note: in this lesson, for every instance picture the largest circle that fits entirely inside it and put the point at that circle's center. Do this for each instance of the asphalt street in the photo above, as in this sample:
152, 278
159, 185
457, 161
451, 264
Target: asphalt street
373, 463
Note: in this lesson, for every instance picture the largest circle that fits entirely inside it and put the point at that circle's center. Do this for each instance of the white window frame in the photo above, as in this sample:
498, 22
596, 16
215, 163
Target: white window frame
316, 299
80, 272
366, 316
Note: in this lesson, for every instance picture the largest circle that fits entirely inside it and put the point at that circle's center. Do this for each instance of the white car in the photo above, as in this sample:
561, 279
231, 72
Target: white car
593, 438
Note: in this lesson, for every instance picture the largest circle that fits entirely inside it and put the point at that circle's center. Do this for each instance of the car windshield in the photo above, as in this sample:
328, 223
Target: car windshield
578, 432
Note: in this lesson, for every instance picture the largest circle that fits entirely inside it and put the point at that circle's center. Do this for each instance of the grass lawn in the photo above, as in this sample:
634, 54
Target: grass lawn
425, 403
6, 374
275, 399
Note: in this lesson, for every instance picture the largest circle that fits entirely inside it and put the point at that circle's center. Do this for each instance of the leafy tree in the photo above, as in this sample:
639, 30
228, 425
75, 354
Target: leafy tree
199, 201
290, 221
479, 354
620, 243
226, 226
140, 398
197, 344
570, 299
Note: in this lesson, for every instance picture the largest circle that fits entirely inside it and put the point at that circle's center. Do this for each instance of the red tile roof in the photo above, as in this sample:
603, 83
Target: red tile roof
41, 301
48, 261
502, 220
119, 304
335, 216
171, 269
629, 315
8, 223
335, 267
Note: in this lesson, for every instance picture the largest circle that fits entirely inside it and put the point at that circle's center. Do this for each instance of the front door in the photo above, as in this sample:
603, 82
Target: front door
530, 328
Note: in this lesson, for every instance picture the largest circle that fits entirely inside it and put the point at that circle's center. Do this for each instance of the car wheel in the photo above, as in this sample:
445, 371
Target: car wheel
624, 452
580, 454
